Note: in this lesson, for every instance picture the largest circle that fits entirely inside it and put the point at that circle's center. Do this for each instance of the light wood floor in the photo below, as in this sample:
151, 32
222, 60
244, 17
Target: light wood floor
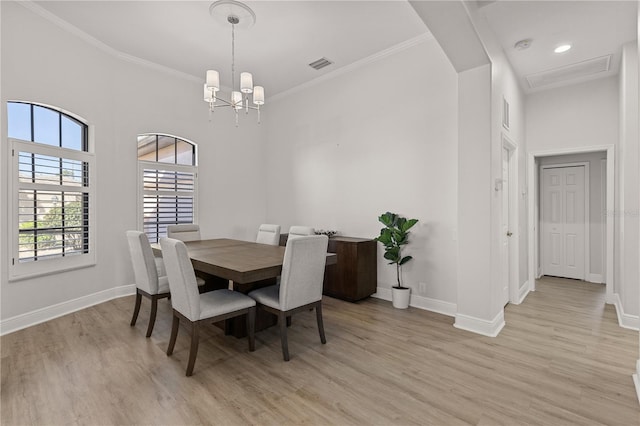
562, 359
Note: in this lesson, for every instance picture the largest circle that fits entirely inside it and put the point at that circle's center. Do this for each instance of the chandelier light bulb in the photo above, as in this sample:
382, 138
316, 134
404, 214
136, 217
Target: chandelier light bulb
213, 80
258, 95
246, 82
208, 95
236, 100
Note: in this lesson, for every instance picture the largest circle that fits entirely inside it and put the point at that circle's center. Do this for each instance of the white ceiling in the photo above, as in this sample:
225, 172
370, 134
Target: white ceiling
288, 35
593, 28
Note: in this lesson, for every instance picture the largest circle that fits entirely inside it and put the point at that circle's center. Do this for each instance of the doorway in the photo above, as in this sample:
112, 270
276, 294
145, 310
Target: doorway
510, 238
606, 233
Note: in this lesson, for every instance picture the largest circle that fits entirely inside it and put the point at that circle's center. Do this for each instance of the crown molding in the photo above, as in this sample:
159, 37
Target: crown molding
355, 65
72, 29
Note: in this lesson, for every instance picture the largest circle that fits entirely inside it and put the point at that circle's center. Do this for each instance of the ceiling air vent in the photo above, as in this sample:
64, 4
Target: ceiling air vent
320, 63
570, 72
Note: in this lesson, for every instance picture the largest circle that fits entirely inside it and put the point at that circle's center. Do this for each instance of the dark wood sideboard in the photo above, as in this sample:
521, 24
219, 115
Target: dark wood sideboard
355, 275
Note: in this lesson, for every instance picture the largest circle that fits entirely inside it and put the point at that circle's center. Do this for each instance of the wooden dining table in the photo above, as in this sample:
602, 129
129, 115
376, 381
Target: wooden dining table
247, 264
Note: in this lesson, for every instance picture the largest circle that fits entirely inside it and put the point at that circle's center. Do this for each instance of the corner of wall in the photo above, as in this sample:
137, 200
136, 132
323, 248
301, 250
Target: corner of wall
631, 322
479, 326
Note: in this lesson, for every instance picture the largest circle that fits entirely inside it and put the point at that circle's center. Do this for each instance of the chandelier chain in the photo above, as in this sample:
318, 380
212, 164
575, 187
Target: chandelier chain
233, 55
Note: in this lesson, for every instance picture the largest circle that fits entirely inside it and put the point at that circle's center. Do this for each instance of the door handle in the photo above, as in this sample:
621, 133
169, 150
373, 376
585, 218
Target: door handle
509, 233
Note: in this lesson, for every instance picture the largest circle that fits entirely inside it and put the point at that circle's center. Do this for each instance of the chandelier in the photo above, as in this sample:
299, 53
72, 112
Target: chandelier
240, 15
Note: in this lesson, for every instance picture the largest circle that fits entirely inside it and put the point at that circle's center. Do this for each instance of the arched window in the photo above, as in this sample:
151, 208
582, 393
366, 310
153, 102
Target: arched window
52, 190
168, 176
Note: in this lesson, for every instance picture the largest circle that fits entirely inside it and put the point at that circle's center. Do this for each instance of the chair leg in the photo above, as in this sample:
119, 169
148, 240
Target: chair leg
174, 334
251, 328
320, 323
152, 317
136, 309
283, 335
193, 352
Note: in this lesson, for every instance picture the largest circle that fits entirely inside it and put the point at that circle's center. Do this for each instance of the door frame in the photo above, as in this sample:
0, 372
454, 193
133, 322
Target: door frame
514, 220
587, 243
532, 187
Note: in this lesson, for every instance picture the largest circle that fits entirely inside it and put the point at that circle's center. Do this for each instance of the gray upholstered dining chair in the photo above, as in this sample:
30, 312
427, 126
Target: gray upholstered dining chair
300, 231
300, 285
268, 234
184, 232
150, 276
194, 308
190, 232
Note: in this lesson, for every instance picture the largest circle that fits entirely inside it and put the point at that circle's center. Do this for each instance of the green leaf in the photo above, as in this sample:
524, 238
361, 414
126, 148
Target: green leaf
400, 222
387, 219
408, 224
393, 254
405, 260
391, 257
385, 236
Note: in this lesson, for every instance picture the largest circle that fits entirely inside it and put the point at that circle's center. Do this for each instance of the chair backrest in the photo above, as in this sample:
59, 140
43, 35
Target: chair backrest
303, 271
300, 231
185, 297
144, 265
184, 232
268, 234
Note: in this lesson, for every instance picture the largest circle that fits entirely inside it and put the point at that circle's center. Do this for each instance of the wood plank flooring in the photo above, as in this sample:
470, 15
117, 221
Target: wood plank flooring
561, 359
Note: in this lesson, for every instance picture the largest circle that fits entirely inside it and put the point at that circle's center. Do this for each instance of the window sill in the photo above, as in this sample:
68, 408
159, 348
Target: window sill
36, 269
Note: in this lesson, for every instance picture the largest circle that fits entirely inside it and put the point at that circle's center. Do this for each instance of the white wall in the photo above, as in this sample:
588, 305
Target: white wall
474, 199
480, 92
382, 137
45, 64
597, 207
636, 376
628, 209
576, 116
505, 87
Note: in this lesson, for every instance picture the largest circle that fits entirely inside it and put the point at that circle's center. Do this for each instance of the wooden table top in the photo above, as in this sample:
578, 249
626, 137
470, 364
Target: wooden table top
236, 260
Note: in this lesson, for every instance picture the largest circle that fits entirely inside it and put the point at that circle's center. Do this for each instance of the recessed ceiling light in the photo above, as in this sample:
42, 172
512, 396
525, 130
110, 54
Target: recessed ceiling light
562, 48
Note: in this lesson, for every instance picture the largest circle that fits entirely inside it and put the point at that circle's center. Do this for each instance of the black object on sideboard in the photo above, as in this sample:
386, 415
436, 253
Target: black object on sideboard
355, 275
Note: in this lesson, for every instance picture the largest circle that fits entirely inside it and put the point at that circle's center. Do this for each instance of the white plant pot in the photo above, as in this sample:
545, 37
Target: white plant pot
400, 297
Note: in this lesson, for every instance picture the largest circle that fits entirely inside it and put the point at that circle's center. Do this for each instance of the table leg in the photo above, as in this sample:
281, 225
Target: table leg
238, 326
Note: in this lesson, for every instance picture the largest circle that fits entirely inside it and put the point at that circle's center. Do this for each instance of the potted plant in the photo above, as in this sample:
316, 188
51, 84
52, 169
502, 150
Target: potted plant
393, 236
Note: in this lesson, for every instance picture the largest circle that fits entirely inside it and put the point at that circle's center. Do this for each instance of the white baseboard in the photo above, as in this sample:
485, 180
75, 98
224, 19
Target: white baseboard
596, 278
476, 325
382, 293
523, 292
38, 316
421, 302
631, 322
636, 379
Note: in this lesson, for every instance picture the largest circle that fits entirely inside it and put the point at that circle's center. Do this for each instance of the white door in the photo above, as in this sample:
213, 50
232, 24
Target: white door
563, 222
506, 233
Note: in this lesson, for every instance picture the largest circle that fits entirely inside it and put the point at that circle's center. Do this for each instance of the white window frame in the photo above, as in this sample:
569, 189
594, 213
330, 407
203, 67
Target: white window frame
156, 165
22, 270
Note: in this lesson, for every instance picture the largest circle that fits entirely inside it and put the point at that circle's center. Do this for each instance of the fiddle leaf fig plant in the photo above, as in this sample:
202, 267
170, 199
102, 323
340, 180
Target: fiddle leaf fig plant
393, 236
